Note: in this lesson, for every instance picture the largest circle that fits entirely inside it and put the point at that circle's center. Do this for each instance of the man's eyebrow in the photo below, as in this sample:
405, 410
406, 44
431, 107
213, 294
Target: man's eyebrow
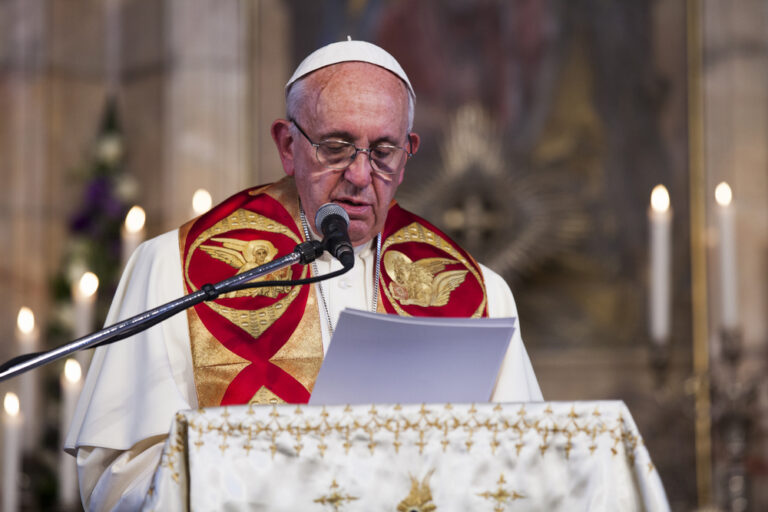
348, 137
342, 135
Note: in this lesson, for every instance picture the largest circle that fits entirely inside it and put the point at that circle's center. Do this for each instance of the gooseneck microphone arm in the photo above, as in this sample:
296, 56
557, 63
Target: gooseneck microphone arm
304, 253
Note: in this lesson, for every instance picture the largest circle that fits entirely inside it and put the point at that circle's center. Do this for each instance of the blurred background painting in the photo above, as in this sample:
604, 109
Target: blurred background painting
545, 126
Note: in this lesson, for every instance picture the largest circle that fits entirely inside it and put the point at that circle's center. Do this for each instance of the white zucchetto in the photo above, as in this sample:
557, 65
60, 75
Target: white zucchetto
349, 51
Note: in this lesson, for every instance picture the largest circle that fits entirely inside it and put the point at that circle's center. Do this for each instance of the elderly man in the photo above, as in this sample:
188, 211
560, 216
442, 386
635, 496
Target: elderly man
346, 140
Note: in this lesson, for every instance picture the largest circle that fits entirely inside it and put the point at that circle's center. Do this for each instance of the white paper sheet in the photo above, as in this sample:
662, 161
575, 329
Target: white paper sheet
375, 358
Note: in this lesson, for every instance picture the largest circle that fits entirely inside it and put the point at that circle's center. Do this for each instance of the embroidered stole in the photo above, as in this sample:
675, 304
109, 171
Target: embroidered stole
263, 345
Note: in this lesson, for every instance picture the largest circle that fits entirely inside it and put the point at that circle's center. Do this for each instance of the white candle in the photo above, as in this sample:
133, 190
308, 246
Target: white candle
71, 384
84, 295
132, 233
12, 424
201, 202
659, 307
729, 300
27, 337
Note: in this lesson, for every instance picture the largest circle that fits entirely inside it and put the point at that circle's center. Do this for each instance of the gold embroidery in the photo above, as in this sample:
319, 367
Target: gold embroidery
423, 282
255, 321
495, 442
302, 355
419, 499
415, 232
215, 365
247, 255
501, 496
175, 449
375, 427
212, 380
335, 499
265, 396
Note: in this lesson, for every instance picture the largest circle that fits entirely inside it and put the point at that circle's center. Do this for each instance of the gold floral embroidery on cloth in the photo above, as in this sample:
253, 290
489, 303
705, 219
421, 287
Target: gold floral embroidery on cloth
416, 232
335, 498
421, 282
245, 255
420, 497
255, 321
501, 496
431, 428
297, 436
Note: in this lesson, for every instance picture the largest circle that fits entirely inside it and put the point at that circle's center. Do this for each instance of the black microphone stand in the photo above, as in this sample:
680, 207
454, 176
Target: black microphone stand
304, 253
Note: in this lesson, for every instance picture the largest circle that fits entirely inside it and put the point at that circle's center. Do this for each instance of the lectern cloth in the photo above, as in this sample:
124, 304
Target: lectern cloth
485, 457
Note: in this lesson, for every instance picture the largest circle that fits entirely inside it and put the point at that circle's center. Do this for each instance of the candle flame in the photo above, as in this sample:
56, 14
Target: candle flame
660, 198
88, 284
135, 219
723, 194
72, 371
201, 201
11, 404
26, 320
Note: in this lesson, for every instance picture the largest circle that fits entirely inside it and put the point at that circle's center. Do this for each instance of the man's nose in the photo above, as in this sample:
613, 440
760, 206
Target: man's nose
359, 172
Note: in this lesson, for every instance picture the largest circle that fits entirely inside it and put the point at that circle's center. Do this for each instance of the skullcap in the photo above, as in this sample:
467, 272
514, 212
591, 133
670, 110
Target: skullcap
349, 51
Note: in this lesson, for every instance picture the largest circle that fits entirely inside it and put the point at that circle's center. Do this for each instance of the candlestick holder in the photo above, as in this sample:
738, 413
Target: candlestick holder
734, 412
731, 346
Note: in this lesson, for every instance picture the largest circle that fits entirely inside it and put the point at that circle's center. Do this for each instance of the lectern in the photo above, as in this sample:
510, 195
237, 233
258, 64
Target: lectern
411, 458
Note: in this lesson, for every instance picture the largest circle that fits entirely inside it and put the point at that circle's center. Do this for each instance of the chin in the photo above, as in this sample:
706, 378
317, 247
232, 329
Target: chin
360, 232
360, 239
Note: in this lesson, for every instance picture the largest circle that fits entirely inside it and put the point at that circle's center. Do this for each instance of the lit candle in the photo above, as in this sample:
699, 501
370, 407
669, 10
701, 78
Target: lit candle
71, 384
201, 201
84, 295
12, 424
659, 307
729, 300
28, 337
132, 233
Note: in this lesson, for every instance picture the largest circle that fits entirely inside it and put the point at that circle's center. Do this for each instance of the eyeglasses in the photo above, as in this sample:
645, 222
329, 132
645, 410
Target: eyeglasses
339, 154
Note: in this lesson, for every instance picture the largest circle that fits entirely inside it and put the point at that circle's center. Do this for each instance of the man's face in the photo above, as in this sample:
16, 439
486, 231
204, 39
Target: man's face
358, 103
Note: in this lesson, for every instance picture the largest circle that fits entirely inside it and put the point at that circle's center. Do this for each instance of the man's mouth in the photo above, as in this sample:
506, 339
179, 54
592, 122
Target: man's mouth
353, 206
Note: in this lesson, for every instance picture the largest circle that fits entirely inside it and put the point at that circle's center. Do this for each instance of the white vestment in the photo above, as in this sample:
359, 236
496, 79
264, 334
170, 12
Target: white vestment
135, 386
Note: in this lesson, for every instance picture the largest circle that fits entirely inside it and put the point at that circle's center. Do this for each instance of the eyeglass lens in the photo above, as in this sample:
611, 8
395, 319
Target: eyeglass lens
340, 154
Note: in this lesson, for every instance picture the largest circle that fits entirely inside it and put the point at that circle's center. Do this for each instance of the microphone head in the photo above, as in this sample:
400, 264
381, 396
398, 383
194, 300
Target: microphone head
327, 210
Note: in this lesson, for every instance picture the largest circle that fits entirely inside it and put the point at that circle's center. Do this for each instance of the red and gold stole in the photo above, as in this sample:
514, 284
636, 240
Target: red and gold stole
425, 273
263, 345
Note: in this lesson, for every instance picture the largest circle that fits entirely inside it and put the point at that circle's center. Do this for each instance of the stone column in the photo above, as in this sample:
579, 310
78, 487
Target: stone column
270, 68
205, 138
23, 163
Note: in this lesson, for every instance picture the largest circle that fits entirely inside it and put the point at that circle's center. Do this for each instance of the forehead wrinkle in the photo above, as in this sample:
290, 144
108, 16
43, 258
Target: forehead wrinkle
322, 79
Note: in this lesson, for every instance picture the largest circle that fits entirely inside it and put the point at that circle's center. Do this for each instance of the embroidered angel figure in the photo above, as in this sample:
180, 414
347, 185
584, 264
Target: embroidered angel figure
421, 282
420, 497
245, 255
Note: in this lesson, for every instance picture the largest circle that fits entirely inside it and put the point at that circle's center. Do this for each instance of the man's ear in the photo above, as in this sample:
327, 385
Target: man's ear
414, 140
413, 146
281, 134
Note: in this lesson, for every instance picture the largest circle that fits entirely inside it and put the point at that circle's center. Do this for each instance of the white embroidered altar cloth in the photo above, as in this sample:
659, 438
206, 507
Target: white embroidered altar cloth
430, 458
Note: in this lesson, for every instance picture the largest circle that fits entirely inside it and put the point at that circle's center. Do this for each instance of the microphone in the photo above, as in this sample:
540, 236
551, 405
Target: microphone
333, 222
